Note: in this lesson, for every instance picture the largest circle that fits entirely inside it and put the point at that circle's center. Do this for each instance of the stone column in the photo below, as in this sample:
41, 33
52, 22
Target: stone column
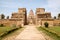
22, 23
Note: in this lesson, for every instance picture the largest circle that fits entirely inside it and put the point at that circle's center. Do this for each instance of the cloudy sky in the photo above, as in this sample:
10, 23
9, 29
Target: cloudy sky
9, 6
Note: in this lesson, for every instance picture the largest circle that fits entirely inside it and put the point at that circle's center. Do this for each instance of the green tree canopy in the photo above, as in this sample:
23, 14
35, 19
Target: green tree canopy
7, 17
59, 16
2, 16
54, 17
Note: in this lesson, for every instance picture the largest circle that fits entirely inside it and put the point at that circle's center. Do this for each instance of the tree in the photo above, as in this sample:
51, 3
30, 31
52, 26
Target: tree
54, 17
2, 16
59, 16
46, 24
7, 17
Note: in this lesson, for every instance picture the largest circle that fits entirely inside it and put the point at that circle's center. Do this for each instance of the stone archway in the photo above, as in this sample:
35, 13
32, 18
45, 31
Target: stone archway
31, 22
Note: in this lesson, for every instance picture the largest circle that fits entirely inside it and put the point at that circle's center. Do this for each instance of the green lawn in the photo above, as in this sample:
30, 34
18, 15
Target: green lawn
56, 29
12, 34
53, 32
7, 30
4, 29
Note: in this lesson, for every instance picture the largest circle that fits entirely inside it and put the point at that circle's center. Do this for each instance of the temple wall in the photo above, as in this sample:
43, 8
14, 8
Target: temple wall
52, 22
4, 22
9, 22
42, 21
56, 22
49, 22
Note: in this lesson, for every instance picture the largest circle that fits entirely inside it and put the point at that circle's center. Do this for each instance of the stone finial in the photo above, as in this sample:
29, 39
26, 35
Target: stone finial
31, 12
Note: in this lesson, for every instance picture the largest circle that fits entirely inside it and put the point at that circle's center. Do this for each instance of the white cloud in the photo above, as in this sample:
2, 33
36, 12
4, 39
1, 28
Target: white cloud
54, 6
54, 3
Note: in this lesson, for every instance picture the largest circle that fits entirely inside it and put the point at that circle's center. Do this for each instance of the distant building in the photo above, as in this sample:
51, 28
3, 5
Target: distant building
20, 18
31, 17
42, 15
17, 18
22, 15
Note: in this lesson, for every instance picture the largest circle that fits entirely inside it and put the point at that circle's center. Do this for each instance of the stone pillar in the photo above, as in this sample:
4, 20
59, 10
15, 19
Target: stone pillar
22, 23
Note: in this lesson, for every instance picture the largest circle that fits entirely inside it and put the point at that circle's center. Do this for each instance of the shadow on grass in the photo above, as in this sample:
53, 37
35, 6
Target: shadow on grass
49, 33
8, 32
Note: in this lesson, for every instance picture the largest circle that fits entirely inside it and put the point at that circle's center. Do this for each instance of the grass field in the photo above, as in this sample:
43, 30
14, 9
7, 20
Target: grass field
53, 32
4, 29
55, 29
13, 34
7, 30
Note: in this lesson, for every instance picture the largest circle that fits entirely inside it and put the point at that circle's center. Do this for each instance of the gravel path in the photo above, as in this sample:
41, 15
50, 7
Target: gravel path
30, 33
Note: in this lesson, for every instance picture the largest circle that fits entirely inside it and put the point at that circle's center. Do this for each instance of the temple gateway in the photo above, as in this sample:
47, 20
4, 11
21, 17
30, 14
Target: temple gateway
38, 18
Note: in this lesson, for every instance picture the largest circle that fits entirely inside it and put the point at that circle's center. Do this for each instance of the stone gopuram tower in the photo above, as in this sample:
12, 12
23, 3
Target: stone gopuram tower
20, 16
41, 14
31, 17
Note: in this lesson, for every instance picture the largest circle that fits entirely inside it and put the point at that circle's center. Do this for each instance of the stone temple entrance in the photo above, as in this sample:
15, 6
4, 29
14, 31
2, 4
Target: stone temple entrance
31, 18
31, 22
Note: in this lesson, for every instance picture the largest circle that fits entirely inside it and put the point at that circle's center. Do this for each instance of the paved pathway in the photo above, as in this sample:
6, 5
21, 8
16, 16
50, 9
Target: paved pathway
30, 33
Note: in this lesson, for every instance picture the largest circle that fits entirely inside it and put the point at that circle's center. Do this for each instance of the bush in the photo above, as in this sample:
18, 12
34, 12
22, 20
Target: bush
46, 24
1, 25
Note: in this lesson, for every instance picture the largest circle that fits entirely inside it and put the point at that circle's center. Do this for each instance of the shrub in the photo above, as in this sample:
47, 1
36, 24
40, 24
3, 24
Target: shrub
1, 25
46, 24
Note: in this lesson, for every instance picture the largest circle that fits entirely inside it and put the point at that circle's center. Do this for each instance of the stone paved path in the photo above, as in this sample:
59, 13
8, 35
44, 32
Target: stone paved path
30, 33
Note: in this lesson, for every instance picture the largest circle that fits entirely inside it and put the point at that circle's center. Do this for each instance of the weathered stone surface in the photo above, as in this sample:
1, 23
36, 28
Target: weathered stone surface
20, 18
